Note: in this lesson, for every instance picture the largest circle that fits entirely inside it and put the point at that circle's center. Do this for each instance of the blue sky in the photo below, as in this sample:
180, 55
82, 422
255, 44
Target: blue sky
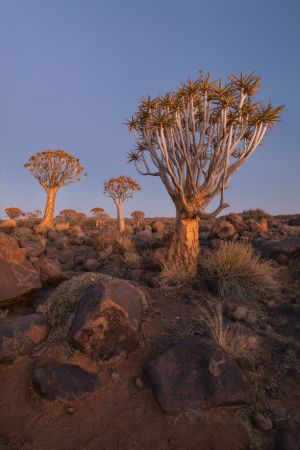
73, 70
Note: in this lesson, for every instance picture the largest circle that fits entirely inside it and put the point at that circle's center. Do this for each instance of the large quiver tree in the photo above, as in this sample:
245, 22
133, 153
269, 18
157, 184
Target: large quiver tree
194, 139
54, 169
120, 189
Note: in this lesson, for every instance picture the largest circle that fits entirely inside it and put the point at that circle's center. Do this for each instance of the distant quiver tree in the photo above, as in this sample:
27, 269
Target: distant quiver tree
54, 169
120, 189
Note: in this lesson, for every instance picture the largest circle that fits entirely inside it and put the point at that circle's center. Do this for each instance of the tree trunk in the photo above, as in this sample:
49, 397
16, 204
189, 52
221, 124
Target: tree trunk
121, 223
48, 218
184, 247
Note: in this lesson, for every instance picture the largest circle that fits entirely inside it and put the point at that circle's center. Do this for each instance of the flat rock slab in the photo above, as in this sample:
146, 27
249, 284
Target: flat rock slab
16, 280
108, 319
19, 335
196, 374
64, 381
271, 249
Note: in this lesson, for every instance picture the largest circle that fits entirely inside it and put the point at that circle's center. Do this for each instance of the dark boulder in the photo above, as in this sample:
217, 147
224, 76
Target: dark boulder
196, 374
64, 381
19, 335
288, 439
108, 319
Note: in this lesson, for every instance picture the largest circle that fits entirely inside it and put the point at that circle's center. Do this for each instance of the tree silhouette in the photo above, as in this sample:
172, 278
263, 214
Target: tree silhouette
54, 169
13, 212
138, 216
195, 139
120, 189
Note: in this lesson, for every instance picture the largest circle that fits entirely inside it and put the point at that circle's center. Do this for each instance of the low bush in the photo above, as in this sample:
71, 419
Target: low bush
256, 214
235, 272
62, 226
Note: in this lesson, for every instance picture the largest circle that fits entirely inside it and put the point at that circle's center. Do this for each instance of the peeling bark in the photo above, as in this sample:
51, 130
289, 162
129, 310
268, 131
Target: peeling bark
184, 247
48, 218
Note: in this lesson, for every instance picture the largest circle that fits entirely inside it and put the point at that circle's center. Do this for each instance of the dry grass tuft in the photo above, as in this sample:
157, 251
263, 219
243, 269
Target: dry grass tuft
236, 273
228, 336
131, 257
171, 275
63, 226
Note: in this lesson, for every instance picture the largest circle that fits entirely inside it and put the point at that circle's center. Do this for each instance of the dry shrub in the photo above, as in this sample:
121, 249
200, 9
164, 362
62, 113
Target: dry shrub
131, 257
236, 273
171, 275
8, 224
231, 337
42, 229
62, 226
256, 214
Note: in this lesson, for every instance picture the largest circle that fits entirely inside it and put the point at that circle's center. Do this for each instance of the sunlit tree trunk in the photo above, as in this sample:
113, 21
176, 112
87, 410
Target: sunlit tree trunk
183, 251
48, 218
121, 223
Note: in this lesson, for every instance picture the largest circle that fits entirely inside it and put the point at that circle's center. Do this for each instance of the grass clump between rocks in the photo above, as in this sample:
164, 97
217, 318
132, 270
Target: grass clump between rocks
235, 272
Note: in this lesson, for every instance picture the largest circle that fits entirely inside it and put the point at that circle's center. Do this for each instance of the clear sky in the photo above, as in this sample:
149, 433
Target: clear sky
73, 70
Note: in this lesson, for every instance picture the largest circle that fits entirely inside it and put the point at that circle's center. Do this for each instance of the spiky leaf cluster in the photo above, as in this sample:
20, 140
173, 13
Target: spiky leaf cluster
195, 137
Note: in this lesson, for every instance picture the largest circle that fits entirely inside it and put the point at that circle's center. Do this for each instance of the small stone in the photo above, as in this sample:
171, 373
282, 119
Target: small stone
172, 441
262, 422
70, 411
115, 376
240, 313
139, 383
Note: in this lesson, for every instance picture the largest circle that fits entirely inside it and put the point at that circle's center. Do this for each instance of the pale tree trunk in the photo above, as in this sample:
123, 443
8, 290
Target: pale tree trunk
48, 218
121, 224
183, 251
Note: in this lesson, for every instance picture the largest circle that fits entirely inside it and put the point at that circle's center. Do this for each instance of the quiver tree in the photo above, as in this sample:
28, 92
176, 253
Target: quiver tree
54, 169
33, 214
138, 216
14, 213
119, 190
195, 139
100, 215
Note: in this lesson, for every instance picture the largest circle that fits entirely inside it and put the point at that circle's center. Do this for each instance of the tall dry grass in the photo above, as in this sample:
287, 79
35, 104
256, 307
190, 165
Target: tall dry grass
235, 272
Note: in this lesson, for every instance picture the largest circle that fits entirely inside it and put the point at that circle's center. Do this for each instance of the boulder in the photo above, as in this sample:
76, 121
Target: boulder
158, 226
50, 271
19, 335
223, 229
271, 249
10, 249
196, 374
16, 280
288, 439
64, 381
108, 319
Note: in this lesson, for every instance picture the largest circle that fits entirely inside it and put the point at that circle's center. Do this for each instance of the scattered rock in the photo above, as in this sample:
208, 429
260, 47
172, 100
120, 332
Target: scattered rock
240, 313
195, 373
19, 335
64, 381
262, 422
139, 383
50, 271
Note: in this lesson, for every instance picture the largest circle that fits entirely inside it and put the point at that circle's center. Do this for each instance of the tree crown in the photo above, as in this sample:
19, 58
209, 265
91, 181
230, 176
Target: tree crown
138, 214
55, 168
121, 188
195, 138
13, 212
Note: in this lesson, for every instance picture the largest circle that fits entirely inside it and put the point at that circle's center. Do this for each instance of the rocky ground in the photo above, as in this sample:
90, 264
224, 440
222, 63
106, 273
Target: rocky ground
97, 351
